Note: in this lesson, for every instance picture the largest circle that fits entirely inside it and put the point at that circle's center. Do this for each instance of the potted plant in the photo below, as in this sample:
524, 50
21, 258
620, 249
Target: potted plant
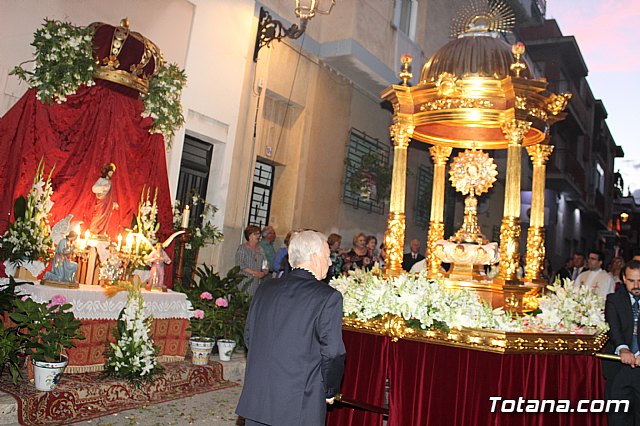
11, 347
220, 308
46, 331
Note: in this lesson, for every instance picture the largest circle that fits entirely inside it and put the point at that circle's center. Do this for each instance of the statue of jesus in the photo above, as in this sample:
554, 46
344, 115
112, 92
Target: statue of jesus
105, 203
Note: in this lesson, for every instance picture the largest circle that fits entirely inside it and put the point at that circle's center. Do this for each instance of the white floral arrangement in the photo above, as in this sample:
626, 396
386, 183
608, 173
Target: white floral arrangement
63, 61
133, 356
28, 238
162, 102
147, 218
570, 308
367, 296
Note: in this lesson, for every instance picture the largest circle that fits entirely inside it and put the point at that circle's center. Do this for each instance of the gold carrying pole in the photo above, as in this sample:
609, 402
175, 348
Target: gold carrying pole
514, 131
440, 155
536, 250
394, 236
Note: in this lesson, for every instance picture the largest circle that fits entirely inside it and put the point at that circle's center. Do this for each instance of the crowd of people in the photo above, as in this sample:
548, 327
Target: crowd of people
258, 257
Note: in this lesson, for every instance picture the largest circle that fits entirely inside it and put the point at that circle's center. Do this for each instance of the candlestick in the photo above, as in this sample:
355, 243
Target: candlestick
185, 217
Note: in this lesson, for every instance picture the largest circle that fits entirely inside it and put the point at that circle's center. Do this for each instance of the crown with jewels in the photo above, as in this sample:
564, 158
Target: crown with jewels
125, 57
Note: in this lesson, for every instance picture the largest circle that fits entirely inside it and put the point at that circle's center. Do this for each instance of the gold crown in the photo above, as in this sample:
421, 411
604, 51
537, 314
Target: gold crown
125, 57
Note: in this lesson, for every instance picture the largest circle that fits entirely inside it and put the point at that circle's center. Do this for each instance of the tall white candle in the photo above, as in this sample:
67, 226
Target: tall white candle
185, 216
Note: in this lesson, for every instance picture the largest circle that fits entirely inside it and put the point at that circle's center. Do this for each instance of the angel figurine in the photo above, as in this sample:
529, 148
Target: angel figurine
63, 268
157, 259
112, 268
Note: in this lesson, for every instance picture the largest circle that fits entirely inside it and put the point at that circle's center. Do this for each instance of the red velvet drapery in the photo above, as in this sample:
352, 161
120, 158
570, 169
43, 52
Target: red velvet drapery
441, 385
364, 382
95, 126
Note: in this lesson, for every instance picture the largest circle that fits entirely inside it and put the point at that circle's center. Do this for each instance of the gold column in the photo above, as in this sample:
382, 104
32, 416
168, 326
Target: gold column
394, 236
514, 131
535, 237
440, 155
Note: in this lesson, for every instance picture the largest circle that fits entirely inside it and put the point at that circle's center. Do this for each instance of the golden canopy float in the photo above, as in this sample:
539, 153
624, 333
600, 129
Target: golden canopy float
476, 93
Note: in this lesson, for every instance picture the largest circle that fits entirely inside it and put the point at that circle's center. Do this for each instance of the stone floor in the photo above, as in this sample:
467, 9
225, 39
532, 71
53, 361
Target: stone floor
212, 408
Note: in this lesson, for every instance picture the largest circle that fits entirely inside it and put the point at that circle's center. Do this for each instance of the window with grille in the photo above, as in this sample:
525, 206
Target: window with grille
424, 187
365, 186
194, 174
260, 204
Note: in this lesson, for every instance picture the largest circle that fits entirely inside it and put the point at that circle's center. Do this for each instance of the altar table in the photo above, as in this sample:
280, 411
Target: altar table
98, 315
433, 384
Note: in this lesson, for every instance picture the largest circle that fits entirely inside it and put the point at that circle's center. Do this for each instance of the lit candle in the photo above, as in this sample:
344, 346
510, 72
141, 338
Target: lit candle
119, 241
129, 242
185, 217
87, 236
138, 243
76, 230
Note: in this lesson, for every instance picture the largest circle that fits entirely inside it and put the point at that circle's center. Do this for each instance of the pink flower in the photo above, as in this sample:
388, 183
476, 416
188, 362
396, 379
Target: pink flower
206, 296
222, 302
25, 297
198, 313
58, 299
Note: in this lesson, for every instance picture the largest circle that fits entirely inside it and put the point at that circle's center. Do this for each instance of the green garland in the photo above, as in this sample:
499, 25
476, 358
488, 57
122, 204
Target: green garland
63, 61
162, 102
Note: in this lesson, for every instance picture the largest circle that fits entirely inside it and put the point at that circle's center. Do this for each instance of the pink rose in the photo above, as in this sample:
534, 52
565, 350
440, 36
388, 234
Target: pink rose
206, 296
57, 300
222, 302
198, 313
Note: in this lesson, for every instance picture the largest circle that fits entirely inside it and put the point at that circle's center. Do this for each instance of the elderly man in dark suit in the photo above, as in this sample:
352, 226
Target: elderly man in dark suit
294, 336
414, 256
622, 311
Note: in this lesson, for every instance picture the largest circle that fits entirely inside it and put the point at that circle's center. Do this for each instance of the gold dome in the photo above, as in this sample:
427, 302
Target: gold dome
472, 55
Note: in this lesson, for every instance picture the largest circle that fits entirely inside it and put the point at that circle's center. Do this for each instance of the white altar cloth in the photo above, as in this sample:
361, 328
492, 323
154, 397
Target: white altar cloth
90, 302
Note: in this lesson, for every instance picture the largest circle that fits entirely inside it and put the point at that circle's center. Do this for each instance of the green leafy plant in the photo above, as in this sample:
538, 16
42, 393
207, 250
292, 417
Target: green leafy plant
10, 350
209, 293
63, 61
46, 330
162, 102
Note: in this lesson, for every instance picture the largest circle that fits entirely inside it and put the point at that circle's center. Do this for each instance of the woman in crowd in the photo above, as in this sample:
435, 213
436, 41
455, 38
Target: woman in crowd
615, 270
334, 241
358, 257
251, 260
374, 254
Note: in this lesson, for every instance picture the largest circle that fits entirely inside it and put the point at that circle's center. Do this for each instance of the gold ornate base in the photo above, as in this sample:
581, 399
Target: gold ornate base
511, 297
503, 342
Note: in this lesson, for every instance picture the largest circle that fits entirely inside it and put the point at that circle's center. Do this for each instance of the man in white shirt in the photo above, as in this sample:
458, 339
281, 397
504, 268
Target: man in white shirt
595, 277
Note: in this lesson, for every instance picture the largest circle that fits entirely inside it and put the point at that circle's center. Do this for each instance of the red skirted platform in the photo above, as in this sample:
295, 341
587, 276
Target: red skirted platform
86, 396
169, 335
441, 385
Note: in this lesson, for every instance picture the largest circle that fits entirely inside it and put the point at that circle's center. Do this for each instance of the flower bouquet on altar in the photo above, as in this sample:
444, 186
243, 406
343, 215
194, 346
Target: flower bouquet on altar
568, 307
28, 241
133, 356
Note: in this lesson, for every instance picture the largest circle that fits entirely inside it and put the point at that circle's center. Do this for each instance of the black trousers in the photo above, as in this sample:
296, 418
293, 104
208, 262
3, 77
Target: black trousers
625, 386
